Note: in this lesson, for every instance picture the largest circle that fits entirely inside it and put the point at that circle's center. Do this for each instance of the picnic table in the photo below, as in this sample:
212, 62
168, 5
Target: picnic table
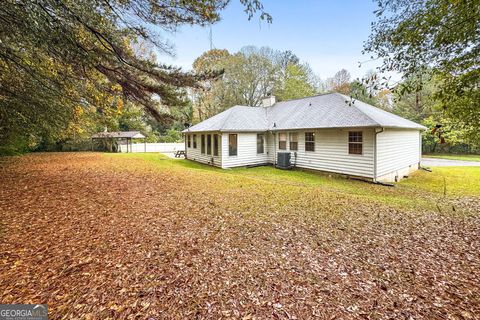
179, 153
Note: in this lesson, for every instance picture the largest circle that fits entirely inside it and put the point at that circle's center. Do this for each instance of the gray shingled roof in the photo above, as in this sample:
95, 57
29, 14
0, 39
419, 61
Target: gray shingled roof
118, 134
237, 118
322, 111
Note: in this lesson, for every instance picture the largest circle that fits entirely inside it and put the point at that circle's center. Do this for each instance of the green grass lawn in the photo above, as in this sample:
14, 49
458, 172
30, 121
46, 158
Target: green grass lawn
458, 181
464, 157
421, 189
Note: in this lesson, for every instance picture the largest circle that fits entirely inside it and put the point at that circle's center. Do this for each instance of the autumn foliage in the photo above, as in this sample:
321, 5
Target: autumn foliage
105, 236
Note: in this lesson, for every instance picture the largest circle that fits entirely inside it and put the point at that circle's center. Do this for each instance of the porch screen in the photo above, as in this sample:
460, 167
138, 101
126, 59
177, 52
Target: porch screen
260, 142
232, 144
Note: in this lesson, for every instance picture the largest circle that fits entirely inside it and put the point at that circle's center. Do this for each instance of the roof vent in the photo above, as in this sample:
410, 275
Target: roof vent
268, 101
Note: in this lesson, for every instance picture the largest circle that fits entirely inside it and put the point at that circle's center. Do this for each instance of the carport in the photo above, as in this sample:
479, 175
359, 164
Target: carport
126, 136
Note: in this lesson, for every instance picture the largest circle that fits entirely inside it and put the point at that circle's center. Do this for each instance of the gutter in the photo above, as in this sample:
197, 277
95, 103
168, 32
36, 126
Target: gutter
375, 154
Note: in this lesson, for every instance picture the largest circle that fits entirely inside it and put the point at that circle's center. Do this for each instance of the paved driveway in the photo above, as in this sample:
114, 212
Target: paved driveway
434, 162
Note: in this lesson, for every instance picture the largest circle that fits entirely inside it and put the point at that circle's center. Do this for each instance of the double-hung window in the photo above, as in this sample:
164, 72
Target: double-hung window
202, 145
194, 141
309, 141
355, 142
293, 141
189, 141
282, 141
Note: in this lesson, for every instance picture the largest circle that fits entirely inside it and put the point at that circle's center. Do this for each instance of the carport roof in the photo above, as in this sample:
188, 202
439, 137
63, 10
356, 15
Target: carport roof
118, 134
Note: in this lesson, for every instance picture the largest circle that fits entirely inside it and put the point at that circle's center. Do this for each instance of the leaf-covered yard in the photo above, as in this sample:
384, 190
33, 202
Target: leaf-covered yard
101, 236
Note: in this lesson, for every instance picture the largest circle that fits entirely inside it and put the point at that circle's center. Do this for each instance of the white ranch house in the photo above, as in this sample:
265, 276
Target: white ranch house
329, 132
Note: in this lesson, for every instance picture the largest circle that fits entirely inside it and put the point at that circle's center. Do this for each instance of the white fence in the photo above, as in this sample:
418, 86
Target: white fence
152, 147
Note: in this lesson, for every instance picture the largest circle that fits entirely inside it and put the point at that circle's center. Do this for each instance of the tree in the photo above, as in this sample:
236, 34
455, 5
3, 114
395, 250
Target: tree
439, 36
411, 35
211, 60
444, 135
171, 135
296, 84
252, 75
56, 55
286, 58
416, 104
385, 99
283, 60
359, 91
207, 98
248, 76
340, 82
458, 99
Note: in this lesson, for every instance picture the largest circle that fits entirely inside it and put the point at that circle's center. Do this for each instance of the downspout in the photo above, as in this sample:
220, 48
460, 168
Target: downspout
375, 154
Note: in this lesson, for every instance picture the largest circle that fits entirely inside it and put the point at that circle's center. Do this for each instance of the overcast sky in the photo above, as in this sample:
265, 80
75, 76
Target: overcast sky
328, 35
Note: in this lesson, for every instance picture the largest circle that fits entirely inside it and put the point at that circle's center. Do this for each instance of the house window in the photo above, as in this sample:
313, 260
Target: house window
189, 141
260, 142
215, 144
202, 145
232, 144
309, 141
294, 141
195, 141
282, 141
209, 144
355, 142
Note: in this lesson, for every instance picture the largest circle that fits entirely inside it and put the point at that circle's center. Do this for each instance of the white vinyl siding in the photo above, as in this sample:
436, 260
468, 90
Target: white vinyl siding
196, 155
260, 143
331, 153
397, 149
246, 151
270, 146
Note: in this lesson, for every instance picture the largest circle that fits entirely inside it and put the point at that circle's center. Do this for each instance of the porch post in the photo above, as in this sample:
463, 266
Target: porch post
185, 143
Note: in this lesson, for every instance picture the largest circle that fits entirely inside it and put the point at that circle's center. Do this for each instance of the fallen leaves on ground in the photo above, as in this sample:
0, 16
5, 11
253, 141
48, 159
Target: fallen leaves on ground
99, 237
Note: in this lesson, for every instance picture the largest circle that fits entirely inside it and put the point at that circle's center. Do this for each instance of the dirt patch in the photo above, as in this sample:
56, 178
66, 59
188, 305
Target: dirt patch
105, 237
